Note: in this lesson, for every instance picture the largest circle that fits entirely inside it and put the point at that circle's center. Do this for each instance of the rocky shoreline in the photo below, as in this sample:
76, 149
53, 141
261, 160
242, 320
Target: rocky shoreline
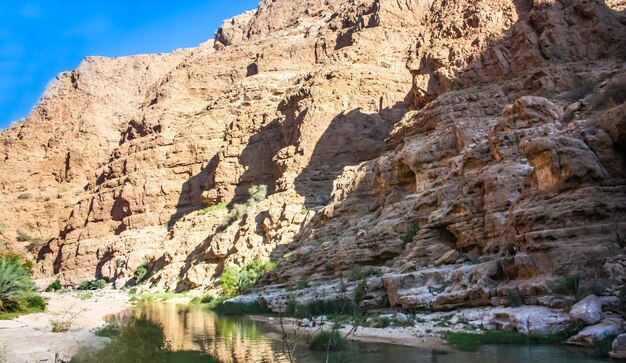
31, 338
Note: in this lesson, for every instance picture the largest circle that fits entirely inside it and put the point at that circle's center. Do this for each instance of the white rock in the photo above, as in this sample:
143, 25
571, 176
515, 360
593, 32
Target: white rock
401, 317
589, 310
593, 333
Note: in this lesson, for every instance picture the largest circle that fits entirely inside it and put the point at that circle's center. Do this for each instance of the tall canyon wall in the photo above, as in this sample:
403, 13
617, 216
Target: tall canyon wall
483, 126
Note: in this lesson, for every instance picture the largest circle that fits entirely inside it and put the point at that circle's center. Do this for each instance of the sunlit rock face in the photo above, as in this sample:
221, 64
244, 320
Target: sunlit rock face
420, 140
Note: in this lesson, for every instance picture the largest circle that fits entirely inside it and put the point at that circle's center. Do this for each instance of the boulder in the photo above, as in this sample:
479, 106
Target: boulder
594, 333
619, 347
588, 310
402, 318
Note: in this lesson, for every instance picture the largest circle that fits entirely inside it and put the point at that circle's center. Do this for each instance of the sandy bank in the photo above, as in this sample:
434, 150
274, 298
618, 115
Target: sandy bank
410, 336
29, 338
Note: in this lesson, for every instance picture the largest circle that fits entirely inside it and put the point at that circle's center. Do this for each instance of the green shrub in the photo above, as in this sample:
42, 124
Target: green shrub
141, 272
213, 208
379, 322
228, 281
356, 273
472, 341
109, 330
235, 281
327, 341
360, 291
568, 285
257, 193
514, 298
155, 296
233, 308
34, 301
84, 296
208, 300
410, 234
17, 289
236, 213
92, 285
54, 286
239, 210
18, 259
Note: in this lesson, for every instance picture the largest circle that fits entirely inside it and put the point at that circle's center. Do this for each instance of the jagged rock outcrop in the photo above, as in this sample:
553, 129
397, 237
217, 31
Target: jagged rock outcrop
463, 153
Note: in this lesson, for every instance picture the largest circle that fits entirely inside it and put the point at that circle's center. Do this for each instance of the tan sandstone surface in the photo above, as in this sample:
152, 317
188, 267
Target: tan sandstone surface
496, 127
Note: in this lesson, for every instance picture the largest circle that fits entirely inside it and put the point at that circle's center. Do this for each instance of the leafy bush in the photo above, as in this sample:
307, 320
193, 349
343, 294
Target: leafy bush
17, 289
54, 286
17, 258
327, 341
235, 281
410, 234
92, 285
141, 272
568, 285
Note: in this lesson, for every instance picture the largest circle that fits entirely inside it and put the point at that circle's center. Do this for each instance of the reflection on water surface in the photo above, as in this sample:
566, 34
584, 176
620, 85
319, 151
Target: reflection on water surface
195, 334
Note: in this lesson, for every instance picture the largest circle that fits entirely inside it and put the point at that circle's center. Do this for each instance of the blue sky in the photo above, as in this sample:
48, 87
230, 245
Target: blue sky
39, 39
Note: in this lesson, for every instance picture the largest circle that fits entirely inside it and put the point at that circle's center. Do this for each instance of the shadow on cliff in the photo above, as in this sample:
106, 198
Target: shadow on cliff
349, 139
335, 150
257, 158
190, 197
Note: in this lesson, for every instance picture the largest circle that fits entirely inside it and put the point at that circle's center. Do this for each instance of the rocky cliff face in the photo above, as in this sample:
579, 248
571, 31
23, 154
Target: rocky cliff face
419, 140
